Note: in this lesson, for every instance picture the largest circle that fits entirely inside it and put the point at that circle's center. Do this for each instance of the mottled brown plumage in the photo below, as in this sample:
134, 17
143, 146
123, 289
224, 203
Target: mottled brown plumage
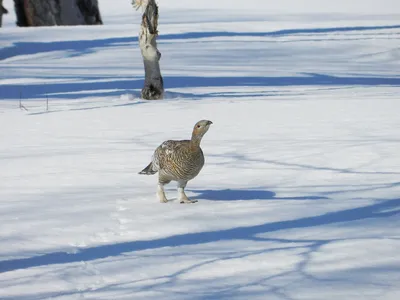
178, 161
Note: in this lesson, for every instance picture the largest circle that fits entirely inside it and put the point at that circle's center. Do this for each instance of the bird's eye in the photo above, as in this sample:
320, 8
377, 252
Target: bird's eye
198, 126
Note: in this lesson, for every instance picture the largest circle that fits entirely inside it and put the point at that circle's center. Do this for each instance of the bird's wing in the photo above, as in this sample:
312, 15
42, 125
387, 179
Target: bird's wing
167, 152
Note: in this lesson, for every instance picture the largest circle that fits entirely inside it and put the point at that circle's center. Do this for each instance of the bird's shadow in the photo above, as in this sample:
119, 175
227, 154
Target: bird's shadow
245, 194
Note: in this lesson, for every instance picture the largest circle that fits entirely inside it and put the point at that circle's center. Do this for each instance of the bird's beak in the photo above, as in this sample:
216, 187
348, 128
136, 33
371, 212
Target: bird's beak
209, 122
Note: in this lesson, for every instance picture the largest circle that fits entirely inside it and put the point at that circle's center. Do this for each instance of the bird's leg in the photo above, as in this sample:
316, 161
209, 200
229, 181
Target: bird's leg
161, 193
181, 193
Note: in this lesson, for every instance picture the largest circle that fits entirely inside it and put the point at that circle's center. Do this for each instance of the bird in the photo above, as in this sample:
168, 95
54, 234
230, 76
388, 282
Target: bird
179, 161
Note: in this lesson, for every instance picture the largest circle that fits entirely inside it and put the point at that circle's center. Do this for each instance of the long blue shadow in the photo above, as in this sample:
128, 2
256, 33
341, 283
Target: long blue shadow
81, 47
15, 91
212, 34
73, 90
74, 48
306, 79
381, 209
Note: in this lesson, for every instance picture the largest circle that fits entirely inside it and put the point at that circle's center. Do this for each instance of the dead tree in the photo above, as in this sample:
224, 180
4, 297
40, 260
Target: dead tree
90, 11
19, 6
153, 84
3, 11
57, 12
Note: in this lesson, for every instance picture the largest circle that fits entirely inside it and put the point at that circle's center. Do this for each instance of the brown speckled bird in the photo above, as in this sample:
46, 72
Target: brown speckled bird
178, 161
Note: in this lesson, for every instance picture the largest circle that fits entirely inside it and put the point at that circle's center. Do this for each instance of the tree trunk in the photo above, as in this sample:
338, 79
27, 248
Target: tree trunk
42, 13
3, 11
153, 85
19, 6
57, 12
90, 11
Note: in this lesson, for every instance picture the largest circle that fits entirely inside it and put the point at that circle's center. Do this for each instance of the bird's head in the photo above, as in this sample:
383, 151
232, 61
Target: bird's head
201, 127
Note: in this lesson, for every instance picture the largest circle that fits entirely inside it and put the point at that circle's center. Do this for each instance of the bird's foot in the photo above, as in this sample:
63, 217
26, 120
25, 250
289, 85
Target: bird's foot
161, 194
187, 201
181, 194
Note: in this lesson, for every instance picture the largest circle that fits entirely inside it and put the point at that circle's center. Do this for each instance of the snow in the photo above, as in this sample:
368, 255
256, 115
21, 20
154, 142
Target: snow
299, 196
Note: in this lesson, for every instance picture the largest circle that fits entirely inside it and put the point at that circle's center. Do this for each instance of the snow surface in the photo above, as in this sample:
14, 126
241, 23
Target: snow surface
300, 194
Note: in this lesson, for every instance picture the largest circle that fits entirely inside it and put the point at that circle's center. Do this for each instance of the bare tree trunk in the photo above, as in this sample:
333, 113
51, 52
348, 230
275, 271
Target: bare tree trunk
153, 85
19, 6
42, 13
90, 11
57, 12
3, 11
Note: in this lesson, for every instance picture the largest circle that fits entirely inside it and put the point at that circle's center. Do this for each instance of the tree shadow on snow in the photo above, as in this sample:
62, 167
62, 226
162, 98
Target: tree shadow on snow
79, 89
304, 79
82, 47
82, 86
277, 33
380, 209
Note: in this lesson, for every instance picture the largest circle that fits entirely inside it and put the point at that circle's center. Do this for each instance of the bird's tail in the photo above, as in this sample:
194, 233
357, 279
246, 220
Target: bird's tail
149, 170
